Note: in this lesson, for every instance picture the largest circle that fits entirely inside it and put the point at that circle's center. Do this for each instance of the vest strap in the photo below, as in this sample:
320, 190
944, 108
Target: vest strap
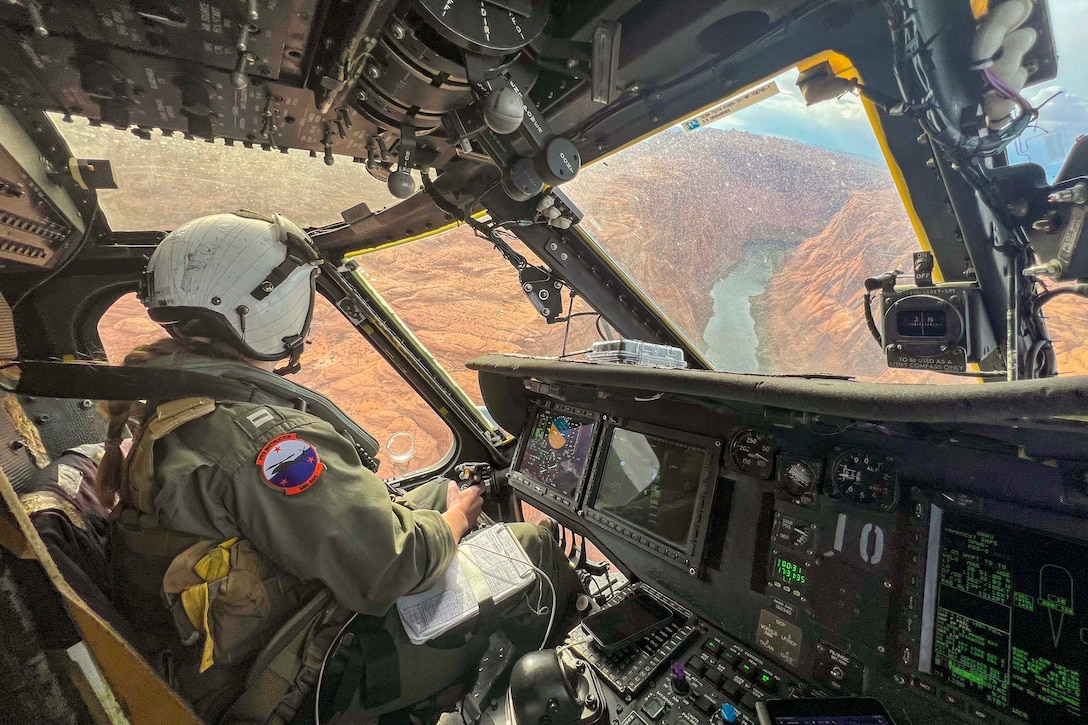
141, 485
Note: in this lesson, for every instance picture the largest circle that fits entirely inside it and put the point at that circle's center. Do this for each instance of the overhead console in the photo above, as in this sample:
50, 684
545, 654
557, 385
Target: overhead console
940, 567
399, 86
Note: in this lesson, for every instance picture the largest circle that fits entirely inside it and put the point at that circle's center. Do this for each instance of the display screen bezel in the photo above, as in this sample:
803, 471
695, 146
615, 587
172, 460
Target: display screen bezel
937, 522
689, 555
541, 490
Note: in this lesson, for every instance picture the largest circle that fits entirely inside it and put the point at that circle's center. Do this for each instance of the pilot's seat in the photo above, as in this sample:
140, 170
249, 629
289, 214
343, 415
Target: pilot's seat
64, 656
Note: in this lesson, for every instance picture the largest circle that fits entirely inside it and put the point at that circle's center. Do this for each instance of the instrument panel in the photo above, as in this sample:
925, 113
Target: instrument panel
833, 560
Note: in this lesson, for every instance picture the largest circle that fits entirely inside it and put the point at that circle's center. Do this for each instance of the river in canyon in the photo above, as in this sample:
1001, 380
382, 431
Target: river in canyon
731, 336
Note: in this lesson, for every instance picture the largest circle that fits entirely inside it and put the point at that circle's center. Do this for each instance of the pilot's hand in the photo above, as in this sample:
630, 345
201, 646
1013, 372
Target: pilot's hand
462, 508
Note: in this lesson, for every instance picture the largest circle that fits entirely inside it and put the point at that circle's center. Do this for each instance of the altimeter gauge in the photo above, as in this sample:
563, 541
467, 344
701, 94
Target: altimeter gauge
864, 478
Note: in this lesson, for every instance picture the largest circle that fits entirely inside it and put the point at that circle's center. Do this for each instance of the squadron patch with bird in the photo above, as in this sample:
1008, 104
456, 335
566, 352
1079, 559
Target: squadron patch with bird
289, 464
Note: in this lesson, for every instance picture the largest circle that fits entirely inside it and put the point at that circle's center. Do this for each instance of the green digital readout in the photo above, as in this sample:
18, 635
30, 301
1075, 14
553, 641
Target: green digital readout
789, 572
1010, 620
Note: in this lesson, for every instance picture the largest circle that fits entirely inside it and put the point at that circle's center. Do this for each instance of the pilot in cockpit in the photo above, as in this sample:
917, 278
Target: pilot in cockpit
247, 533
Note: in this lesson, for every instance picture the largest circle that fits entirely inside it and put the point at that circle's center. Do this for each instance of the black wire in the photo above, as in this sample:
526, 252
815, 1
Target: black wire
869, 321
75, 253
1051, 294
1038, 347
600, 332
566, 328
467, 211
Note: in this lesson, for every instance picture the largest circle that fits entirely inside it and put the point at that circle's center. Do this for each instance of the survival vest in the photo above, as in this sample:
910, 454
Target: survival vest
228, 595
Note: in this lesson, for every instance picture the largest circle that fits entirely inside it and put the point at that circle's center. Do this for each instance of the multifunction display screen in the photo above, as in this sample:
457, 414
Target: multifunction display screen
652, 484
1008, 613
557, 451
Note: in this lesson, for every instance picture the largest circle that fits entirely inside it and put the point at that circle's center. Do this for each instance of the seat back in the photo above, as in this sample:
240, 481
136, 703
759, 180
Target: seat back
131, 687
116, 683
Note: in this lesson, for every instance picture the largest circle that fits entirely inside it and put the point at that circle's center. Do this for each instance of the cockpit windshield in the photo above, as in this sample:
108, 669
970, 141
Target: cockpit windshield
755, 230
754, 225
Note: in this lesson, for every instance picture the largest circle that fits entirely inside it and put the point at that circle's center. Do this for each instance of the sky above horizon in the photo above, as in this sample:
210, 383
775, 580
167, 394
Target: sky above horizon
842, 125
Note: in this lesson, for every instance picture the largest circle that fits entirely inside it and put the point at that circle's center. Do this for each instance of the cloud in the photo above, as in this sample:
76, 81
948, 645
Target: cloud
1060, 122
1069, 19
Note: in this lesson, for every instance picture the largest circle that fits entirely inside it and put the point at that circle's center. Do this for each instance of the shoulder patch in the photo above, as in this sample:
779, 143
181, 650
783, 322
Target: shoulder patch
289, 464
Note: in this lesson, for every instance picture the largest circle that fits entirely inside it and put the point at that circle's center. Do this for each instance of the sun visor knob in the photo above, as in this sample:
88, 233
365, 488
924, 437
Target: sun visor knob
504, 110
401, 184
521, 182
558, 162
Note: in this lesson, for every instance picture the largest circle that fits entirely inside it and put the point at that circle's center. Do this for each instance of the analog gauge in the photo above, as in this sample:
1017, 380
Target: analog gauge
798, 477
752, 452
501, 26
867, 479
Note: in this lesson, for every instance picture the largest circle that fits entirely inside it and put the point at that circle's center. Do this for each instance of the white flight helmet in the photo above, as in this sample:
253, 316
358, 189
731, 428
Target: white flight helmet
244, 279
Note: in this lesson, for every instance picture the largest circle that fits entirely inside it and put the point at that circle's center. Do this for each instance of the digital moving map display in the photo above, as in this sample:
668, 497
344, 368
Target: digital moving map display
557, 452
1005, 612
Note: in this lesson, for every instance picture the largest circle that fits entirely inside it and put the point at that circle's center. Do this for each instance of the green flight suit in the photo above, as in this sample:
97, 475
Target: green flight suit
334, 521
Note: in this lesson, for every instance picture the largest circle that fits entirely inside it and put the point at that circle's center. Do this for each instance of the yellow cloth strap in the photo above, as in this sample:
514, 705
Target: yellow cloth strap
196, 602
216, 563
49, 501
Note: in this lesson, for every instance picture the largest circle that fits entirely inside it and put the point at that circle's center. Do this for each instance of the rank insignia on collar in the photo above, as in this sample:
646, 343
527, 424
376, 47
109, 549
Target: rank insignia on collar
289, 464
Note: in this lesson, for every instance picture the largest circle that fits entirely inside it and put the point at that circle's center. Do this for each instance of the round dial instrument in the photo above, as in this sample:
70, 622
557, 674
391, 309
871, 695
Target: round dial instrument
864, 478
501, 26
798, 477
752, 453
